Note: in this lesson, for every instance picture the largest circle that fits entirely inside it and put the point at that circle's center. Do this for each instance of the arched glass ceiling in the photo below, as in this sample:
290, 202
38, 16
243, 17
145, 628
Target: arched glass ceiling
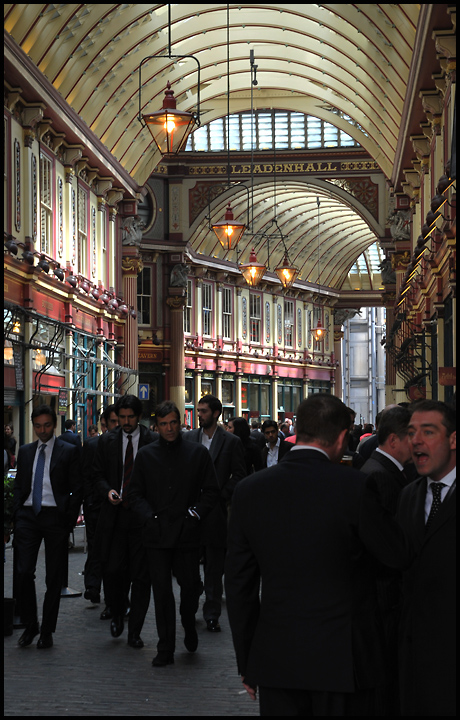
268, 128
324, 252
310, 58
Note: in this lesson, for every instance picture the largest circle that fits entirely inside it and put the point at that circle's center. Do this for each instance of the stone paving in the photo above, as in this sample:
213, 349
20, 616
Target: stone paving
87, 672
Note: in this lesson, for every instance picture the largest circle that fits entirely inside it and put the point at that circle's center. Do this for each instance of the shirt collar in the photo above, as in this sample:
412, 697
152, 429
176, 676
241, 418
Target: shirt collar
390, 457
447, 479
310, 447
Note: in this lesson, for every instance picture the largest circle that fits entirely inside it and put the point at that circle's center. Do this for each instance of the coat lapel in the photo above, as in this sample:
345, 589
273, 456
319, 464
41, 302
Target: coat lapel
217, 442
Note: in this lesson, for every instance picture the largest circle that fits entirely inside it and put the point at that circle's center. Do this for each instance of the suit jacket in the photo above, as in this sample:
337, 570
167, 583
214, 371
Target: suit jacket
183, 477
428, 638
71, 437
65, 478
283, 449
304, 527
228, 457
107, 474
88, 457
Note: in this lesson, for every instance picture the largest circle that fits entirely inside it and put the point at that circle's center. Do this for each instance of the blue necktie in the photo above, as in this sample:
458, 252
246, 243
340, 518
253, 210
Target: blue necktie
38, 481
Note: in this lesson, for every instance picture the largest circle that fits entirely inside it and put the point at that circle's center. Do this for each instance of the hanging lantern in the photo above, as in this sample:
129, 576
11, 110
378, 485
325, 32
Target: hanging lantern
252, 271
169, 127
228, 231
286, 272
319, 332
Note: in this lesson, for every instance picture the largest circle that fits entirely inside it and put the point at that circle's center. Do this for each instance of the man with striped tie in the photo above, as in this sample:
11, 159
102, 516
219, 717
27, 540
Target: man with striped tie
427, 512
48, 494
118, 534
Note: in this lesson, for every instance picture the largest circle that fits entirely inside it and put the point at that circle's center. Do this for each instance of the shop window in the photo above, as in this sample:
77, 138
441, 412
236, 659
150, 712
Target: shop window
227, 313
207, 309
288, 322
46, 205
144, 296
188, 308
254, 318
207, 387
227, 392
82, 231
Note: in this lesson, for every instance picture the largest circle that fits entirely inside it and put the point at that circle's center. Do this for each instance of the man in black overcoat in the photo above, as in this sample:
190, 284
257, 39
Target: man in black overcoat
303, 528
428, 638
386, 466
118, 534
227, 454
46, 507
173, 490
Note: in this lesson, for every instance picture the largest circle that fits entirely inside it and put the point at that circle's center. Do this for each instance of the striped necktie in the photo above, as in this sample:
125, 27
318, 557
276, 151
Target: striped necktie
38, 481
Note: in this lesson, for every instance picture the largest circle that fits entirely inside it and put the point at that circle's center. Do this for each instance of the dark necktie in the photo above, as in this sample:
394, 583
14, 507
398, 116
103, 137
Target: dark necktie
436, 488
38, 481
128, 468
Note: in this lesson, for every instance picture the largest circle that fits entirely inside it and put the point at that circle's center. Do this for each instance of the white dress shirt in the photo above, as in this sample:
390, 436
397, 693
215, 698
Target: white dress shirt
47, 495
448, 480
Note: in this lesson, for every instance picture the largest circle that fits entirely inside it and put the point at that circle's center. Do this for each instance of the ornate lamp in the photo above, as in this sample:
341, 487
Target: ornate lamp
286, 272
319, 332
228, 231
252, 271
169, 127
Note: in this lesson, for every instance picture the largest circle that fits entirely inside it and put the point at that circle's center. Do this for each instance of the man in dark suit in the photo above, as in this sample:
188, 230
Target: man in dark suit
227, 455
69, 434
118, 534
92, 503
276, 447
48, 494
386, 467
173, 489
310, 642
427, 512
257, 434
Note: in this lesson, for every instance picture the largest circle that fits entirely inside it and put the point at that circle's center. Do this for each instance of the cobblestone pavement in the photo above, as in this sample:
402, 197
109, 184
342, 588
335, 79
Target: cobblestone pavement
87, 672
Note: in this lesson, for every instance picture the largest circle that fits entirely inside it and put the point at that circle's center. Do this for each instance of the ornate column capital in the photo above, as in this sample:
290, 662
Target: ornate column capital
176, 302
131, 265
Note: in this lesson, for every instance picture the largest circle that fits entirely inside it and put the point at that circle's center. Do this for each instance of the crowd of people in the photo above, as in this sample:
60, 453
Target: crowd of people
356, 558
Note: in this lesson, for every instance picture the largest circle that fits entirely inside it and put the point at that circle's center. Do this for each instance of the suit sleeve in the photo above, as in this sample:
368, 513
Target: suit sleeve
380, 532
101, 466
242, 583
137, 492
76, 484
237, 469
210, 492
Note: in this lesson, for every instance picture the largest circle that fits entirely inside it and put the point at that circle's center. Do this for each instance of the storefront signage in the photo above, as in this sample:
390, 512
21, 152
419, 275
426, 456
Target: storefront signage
17, 358
150, 355
285, 167
447, 375
62, 402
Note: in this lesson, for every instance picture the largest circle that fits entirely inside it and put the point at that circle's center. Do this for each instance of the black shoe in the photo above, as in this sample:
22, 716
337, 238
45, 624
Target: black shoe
45, 641
28, 635
135, 640
162, 659
191, 639
213, 625
117, 626
93, 595
106, 614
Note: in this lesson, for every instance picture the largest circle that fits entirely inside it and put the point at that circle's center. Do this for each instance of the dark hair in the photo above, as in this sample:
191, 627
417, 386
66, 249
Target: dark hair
393, 420
352, 413
241, 428
69, 423
10, 425
321, 417
367, 428
44, 410
129, 402
213, 402
107, 412
449, 415
92, 427
269, 423
166, 407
